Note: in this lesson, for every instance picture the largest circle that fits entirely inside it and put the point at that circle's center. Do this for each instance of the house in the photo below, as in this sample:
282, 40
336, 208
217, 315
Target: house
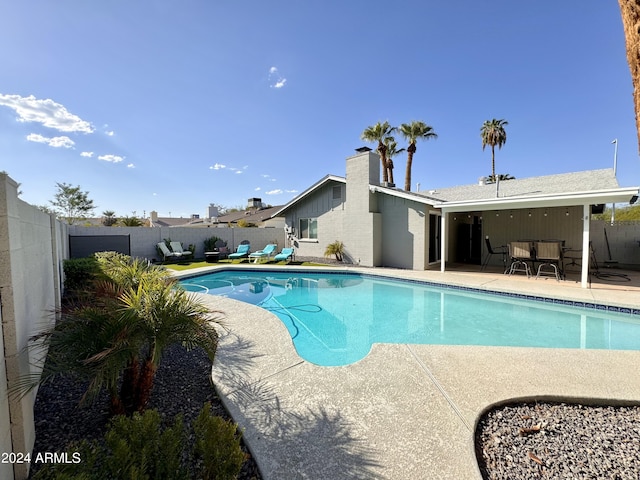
384, 226
256, 214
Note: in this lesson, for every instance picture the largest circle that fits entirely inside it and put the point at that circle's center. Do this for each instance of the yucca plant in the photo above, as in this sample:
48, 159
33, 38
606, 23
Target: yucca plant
336, 248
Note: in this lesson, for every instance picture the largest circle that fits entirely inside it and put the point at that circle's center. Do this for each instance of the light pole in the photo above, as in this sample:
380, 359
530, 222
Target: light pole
615, 169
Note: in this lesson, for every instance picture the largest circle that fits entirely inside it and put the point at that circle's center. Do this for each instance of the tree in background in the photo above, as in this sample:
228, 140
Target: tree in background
630, 10
494, 134
131, 221
71, 203
412, 132
109, 218
378, 133
392, 151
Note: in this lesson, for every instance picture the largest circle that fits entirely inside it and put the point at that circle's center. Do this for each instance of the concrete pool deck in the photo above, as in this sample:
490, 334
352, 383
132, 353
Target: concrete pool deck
404, 411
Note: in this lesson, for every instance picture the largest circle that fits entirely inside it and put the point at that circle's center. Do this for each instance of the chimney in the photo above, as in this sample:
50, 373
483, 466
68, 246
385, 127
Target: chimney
255, 203
482, 180
154, 216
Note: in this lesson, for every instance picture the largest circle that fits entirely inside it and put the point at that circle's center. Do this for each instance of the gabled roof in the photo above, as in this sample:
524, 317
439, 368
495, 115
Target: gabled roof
255, 216
319, 184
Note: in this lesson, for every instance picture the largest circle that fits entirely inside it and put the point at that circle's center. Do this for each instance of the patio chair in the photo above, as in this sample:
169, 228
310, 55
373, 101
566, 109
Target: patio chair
550, 254
165, 252
285, 254
520, 253
177, 248
242, 251
501, 250
222, 249
266, 252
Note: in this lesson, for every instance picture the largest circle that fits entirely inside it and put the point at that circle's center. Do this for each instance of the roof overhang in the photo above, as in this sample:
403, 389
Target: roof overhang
593, 197
415, 197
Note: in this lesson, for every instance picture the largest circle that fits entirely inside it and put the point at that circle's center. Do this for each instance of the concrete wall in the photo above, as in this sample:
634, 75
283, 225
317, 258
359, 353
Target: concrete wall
144, 240
623, 241
31, 253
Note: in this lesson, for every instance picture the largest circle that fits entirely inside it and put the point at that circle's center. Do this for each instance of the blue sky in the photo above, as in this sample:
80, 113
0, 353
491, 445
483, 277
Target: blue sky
171, 106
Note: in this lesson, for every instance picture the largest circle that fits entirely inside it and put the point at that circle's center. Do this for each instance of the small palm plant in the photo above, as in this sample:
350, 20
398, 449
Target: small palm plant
336, 248
114, 339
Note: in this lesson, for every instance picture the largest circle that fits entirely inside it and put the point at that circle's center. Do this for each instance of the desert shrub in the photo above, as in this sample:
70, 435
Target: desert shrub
137, 448
210, 243
217, 446
79, 272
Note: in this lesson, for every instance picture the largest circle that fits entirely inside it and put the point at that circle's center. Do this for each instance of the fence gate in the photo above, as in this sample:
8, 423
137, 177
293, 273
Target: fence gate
85, 245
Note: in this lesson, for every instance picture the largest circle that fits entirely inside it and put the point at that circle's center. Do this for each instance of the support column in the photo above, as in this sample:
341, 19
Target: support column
586, 217
444, 235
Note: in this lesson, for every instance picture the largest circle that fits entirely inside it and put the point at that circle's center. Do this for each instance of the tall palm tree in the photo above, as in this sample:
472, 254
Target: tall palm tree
630, 10
378, 133
412, 132
493, 133
392, 150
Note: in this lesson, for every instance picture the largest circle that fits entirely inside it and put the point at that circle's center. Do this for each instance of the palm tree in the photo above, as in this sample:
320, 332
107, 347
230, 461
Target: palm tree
109, 218
493, 133
412, 132
378, 133
116, 341
630, 10
392, 150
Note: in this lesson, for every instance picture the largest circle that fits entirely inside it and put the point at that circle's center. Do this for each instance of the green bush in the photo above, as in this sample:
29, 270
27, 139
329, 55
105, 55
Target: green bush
137, 448
79, 272
217, 446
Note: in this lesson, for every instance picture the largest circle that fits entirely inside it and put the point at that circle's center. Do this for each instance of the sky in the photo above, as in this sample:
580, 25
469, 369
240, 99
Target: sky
172, 106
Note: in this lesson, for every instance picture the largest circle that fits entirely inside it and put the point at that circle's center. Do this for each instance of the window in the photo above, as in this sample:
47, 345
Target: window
337, 192
308, 228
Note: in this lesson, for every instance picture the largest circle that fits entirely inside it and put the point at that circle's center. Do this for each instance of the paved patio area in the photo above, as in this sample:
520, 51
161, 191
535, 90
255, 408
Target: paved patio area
404, 411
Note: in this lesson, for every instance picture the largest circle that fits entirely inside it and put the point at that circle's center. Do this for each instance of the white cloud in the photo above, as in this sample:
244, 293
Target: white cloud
111, 158
56, 142
110, 133
275, 79
131, 165
239, 172
264, 175
217, 166
47, 112
291, 191
257, 189
86, 154
277, 191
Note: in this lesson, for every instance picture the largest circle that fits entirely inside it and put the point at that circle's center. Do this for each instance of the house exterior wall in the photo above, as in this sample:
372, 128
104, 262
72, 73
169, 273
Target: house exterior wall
328, 211
506, 226
30, 275
404, 233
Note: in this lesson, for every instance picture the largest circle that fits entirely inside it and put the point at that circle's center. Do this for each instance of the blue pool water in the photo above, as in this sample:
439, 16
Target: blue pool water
334, 318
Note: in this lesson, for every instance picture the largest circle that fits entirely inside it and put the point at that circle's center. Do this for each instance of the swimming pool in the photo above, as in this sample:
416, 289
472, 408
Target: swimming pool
334, 318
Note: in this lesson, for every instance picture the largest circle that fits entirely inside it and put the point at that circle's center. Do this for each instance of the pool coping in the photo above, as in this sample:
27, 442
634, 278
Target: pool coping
417, 402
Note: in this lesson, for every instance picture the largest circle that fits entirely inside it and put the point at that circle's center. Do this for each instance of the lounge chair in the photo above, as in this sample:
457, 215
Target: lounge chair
241, 252
285, 254
166, 253
177, 248
266, 252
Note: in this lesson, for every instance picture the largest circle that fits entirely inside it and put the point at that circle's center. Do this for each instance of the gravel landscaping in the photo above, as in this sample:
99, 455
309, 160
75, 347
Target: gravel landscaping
559, 441
182, 385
